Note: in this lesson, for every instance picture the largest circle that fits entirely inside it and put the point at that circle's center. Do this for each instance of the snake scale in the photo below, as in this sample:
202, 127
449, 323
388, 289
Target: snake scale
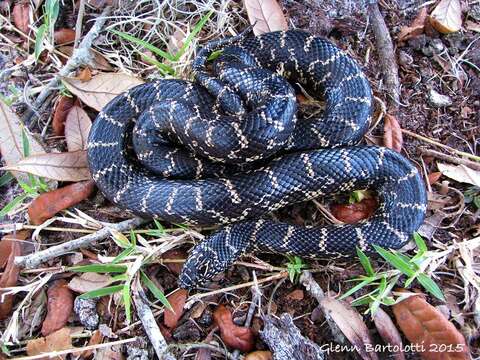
229, 147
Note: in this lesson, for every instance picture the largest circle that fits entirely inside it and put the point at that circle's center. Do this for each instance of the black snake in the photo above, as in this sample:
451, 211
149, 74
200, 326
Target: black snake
228, 148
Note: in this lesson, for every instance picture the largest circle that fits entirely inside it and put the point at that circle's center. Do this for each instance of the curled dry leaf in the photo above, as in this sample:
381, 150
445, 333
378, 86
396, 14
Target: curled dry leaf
21, 16
416, 27
259, 355
102, 88
68, 166
392, 133
9, 278
349, 321
59, 307
98, 62
96, 339
64, 104
6, 245
177, 300
428, 329
237, 337
48, 204
389, 333
265, 16
89, 282
84, 75
434, 177
174, 254
352, 213
63, 36
472, 26
447, 16
59, 340
77, 127
11, 144
460, 173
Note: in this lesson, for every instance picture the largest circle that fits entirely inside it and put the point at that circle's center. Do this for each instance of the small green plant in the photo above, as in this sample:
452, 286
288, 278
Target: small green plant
384, 281
124, 273
32, 188
51, 9
472, 195
13, 95
173, 58
357, 196
294, 267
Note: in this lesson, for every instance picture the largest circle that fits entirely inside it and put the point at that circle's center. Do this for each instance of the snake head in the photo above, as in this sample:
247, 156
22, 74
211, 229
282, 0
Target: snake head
200, 267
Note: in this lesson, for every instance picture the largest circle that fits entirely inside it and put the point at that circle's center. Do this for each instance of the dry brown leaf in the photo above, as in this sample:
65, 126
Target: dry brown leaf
237, 337
32, 317
84, 75
174, 254
101, 89
349, 321
353, 213
416, 27
7, 243
434, 177
95, 339
427, 328
259, 355
9, 278
460, 173
57, 341
98, 62
265, 16
63, 106
177, 300
62, 36
48, 204
389, 333
447, 16
392, 133
77, 127
68, 166
21, 16
295, 295
11, 139
107, 353
89, 282
59, 307
472, 26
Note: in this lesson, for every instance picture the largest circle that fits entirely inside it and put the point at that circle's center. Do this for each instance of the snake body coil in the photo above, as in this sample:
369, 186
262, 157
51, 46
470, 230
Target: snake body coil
228, 148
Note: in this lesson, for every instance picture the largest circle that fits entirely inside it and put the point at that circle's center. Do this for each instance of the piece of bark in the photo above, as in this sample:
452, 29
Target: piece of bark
286, 342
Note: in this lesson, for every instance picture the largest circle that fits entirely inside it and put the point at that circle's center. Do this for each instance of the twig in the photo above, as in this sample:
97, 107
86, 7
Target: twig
56, 354
439, 144
386, 55
33, 260
256, 296
78, 24
80, 56
150, 326
311, 285
452, 159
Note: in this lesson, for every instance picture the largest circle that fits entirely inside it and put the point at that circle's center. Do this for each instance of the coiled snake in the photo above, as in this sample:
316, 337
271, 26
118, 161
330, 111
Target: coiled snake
228, 148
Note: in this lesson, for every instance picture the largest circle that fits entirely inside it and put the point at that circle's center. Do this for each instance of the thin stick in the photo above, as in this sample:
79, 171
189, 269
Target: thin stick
80, 56
386, 55
78, 24
452, 159
197, 297
35, 259
56, 354
446, 147
150, 326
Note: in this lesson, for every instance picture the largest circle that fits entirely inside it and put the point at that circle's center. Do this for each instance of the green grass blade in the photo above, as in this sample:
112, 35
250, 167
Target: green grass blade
145, 44
357, 287
6, 178
422, 247
126, 252
99, 268
365, 262
102, 292
164, 69
155, 290
196, 29
396, 261
39, 40
12, 204
430, 286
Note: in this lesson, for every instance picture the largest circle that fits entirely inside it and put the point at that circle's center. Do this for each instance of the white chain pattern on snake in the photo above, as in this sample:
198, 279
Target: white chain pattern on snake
228, 148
